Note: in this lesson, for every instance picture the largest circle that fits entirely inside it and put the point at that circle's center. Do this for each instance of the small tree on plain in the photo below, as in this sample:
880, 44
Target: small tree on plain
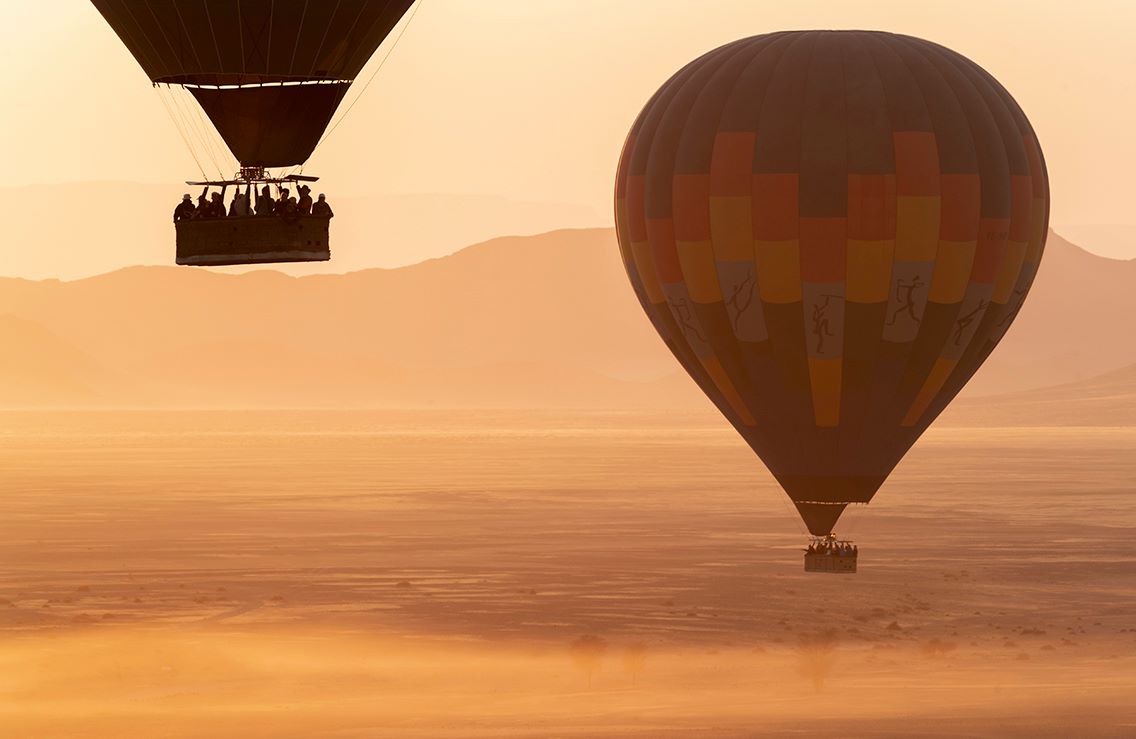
817, 656
634, 657
588, 652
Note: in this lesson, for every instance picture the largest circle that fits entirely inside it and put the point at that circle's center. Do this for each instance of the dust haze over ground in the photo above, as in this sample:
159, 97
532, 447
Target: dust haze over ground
438, 574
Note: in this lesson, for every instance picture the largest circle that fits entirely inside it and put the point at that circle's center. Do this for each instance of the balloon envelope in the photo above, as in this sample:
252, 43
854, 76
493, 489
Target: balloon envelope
268, 73
831, 230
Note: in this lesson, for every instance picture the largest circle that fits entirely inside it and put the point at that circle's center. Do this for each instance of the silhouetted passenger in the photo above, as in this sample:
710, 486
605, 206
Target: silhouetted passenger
305, 203
265, 205
322, 209
240, 205
288, 209
202, 210
216, 207
184, 210
281, 202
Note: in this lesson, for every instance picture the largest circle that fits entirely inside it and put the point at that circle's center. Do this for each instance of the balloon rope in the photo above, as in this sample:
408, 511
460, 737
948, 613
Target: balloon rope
851, 519
197, 140
791, 510
180, 131
199, 143
383, 61
214, 137
210, 136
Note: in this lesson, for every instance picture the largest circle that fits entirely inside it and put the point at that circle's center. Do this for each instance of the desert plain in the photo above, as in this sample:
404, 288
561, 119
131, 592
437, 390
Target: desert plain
487, 573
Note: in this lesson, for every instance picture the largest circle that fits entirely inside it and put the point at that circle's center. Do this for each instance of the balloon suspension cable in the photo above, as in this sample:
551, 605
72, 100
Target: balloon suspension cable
217, 147
195, 127
186, 122
793, 513
206, 134
180, 130
409, 20
851, 518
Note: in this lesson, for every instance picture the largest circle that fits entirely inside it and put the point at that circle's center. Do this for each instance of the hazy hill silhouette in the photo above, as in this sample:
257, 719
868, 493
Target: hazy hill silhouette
1106, 400
1074, 326
535, 321
546, 320
38, 368
110, 225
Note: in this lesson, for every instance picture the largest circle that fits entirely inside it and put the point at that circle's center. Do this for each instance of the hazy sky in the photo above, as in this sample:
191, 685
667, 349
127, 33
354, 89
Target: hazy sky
531, 98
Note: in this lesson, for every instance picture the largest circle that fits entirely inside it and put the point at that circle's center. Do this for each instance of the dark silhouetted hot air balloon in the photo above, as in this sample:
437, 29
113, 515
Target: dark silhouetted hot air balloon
269, 74
831, 230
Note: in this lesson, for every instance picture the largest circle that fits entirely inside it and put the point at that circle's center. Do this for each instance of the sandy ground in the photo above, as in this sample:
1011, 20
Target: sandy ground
437, 574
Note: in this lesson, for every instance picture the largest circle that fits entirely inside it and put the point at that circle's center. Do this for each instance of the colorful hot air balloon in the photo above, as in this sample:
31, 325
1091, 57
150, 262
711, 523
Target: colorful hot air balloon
831, 230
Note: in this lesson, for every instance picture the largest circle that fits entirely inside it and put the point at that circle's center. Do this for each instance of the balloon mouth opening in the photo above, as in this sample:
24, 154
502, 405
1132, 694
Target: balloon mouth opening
196, 82
820, 517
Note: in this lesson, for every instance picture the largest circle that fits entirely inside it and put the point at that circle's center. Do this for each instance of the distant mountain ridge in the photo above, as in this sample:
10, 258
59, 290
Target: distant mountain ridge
1105, 400
540, 321
76, 230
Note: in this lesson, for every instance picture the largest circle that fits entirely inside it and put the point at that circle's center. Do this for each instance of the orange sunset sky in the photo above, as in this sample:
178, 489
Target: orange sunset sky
531, 99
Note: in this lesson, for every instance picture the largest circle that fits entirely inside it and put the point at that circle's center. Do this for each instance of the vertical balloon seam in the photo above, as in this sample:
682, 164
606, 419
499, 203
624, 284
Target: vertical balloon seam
1020, 217
798, 345
855, 401
183, 31
660, 235
874, 423
213, 33
138, 47
730, 365
158, 24
779, 280
770, 285
926, 344
763, 65
642, 259
992, 159
800, 422
1016, 135
826, 375
777, 252
935, 277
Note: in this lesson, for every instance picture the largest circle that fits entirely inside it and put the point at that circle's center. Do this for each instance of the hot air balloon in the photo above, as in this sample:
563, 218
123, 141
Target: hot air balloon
269, 74
831, 231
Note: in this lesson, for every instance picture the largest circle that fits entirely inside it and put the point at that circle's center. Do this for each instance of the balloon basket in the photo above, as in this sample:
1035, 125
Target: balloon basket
831, 555
212, 242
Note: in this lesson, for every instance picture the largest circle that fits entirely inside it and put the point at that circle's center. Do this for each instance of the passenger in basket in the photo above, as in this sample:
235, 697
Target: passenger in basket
184, 210
322, 209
